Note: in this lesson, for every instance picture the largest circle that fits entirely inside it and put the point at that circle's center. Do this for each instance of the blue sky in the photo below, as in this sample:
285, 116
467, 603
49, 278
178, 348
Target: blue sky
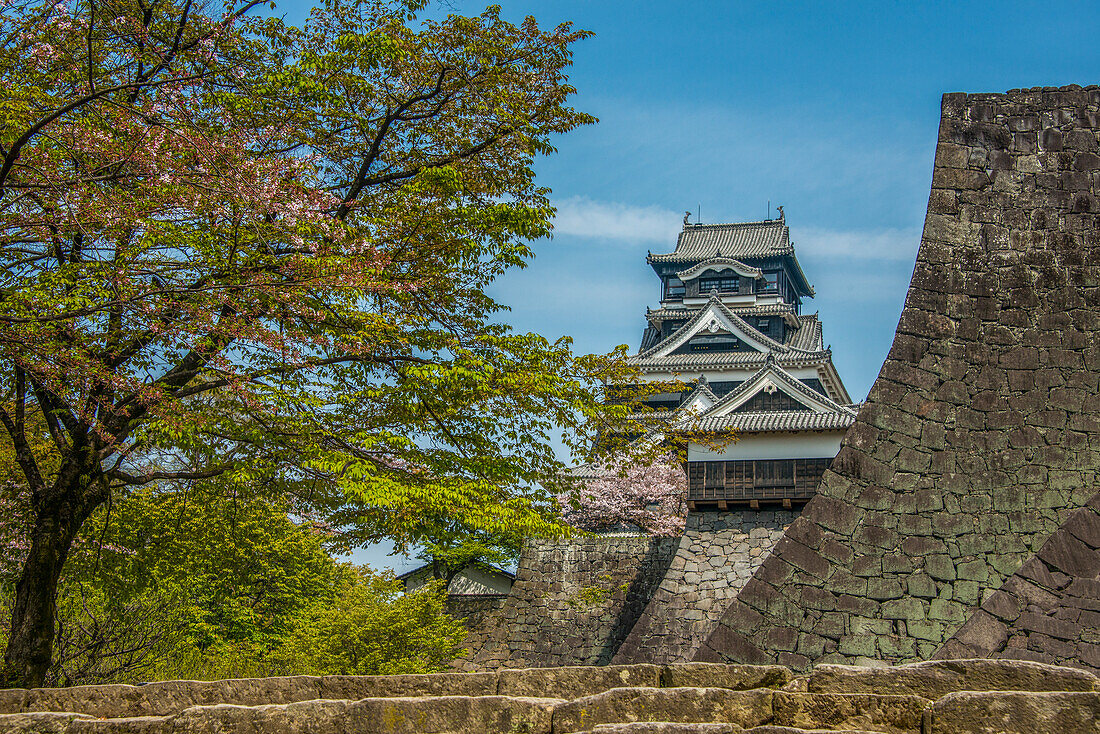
829, 109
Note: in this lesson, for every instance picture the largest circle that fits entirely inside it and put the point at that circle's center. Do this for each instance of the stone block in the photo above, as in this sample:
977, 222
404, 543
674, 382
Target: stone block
717, 675
674, 705
901, 714
884, 588
907, 608
1004, 712
937, 678
665, 727
575, 681
423, 715
921, 585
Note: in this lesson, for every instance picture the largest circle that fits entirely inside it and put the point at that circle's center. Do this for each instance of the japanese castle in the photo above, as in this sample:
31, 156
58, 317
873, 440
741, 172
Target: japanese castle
731, 328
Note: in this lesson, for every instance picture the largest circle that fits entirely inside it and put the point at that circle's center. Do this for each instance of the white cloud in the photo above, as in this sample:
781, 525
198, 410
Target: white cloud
880, 244
583, 217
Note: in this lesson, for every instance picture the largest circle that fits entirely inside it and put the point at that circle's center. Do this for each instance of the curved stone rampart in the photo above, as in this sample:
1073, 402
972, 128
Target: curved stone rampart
716, 555
981, 434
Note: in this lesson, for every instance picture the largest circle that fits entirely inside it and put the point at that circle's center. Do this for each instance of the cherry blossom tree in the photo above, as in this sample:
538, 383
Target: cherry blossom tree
631, 491
231, 246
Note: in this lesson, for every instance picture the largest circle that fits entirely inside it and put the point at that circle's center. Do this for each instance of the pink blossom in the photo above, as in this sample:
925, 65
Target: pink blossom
631, 493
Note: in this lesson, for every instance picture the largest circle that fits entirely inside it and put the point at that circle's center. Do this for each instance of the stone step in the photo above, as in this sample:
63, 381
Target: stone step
770, 729
936, 678
667, 705
422, 715
718, 675
1016, 712
576, 681
168, 697
665, 727
898, 714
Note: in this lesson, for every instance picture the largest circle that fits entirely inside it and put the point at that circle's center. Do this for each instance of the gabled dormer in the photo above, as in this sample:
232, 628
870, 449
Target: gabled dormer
773, 389
714, 328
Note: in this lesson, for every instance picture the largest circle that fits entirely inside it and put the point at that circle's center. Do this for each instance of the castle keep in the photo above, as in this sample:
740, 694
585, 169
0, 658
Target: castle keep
731, 323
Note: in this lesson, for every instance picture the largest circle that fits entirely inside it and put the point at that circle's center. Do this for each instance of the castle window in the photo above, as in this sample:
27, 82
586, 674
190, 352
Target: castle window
771, 283
722, 285
674, 288
714, 343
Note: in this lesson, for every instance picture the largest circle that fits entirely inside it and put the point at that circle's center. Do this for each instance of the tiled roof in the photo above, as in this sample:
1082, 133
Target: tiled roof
739, 240
731, 360
807, 336
787, 355
719, 263
776, 421
698, 316
770, 309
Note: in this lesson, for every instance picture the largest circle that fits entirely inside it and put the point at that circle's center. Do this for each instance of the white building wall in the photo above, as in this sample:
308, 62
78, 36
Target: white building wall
471, 580
808, 445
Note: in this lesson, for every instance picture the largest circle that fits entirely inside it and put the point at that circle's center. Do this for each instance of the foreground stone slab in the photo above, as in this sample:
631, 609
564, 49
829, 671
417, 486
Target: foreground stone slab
423, 715
769, 729
158, 699
665, 727
575, 681
40, 722
1016, 712
884, 713
719, 675
673, 705
354, 687
937, 678
169, 697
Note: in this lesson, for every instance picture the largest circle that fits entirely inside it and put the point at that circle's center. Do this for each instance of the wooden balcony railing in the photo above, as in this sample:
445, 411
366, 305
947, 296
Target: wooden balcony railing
751, 482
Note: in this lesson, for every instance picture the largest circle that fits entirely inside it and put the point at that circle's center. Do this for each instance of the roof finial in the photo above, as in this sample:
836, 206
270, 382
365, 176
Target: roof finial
782, 216
687, 216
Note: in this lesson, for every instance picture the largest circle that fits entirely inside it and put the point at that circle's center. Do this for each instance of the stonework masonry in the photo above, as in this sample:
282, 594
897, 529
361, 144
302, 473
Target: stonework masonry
980, 437
717, 554
941, 697
1049, 611
573, 603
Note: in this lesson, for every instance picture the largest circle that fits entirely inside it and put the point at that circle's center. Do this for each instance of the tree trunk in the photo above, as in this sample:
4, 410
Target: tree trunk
30, 644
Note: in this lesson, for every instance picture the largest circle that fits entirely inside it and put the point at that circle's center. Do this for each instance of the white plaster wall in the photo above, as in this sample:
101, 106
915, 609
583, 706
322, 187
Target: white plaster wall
727, 374
471, 581
810, 445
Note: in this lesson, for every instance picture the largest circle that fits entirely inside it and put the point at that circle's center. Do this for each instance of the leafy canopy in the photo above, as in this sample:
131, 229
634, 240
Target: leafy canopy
228, 244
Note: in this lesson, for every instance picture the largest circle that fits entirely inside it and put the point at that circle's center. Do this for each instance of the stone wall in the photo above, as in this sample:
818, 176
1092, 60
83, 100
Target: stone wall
480, 613
717, 554
1049, 611
981, 435
573, 602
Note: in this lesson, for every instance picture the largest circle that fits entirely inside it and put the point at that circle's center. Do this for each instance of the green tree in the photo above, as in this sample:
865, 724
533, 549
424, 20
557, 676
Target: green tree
373, 628
230, 246
449, 547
